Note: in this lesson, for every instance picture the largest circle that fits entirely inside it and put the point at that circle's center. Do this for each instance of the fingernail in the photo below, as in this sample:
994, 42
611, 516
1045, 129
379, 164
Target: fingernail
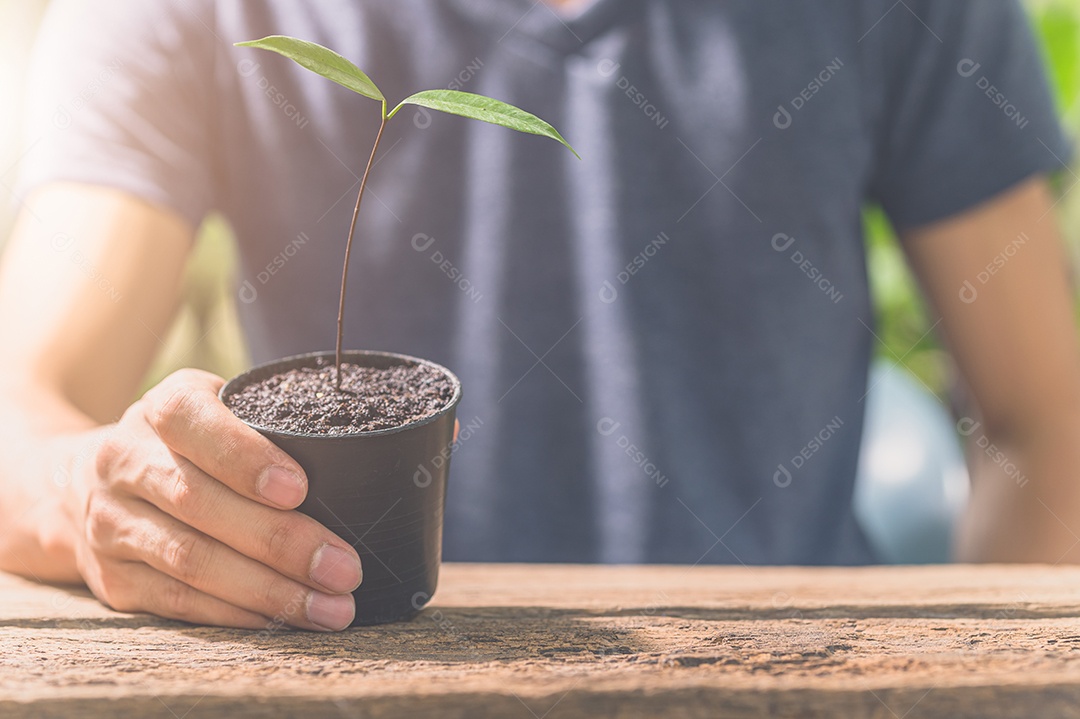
331, 612
282, 487
336, 569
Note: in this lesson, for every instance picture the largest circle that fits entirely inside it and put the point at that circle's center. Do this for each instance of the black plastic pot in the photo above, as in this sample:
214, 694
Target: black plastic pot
382, 492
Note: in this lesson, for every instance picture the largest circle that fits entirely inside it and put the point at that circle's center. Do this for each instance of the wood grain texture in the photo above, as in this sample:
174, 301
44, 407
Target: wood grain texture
554, 642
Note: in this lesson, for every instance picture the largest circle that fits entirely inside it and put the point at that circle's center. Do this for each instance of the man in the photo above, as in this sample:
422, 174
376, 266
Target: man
647, 337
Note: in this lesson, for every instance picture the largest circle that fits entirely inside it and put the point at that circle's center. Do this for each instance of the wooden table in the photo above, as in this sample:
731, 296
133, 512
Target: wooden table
551, 642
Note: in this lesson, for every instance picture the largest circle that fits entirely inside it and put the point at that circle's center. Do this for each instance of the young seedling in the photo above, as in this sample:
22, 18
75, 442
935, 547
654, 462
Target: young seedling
336, 68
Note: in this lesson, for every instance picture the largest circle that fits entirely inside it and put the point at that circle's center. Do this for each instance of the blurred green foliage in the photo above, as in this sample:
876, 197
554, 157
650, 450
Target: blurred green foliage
903, 320
206, 332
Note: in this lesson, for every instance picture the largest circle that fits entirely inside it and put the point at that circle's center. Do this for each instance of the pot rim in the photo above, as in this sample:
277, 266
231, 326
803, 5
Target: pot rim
297, 360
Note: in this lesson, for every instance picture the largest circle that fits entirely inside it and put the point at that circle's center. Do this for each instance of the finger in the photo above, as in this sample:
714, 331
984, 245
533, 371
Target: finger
206, 564
137, 587
289, 542
187, 415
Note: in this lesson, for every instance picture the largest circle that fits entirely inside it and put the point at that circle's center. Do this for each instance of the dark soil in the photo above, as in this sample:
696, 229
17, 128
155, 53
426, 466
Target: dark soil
305, 400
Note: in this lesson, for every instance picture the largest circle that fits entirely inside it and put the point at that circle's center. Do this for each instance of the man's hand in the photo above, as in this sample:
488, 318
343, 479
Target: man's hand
185, 513
176, 508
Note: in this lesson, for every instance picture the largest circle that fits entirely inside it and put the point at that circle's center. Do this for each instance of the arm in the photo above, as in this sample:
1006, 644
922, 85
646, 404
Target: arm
162, 506
1016, 345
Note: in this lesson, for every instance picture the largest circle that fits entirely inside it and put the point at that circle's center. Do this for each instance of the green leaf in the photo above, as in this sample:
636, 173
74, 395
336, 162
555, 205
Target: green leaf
1058, 24
320, 60
478, 107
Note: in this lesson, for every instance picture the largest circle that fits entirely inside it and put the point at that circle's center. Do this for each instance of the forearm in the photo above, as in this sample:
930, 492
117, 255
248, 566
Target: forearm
1025, 503
45, 443
1016, 344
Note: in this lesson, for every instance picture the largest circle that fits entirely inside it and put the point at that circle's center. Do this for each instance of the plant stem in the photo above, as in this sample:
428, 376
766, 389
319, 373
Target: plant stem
348, 249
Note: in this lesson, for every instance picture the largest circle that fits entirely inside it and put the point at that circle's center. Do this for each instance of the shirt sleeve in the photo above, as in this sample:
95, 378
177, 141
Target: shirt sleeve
120, 95
966, 110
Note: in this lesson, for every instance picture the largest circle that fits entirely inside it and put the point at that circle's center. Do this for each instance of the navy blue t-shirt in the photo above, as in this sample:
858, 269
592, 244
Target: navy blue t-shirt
664, 345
